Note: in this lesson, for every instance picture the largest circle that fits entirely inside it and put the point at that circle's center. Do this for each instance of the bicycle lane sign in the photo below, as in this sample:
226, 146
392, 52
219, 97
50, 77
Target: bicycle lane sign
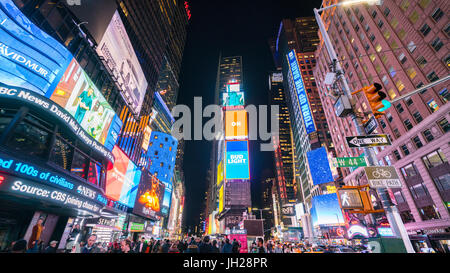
383, 177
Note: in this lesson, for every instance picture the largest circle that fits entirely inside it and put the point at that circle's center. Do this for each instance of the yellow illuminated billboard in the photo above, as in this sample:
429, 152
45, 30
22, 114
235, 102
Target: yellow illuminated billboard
236, 124
221, 199
220, 173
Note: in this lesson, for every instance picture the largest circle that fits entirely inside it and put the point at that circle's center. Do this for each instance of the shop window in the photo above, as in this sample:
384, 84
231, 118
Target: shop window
429, 213
62, 154
417, 117
79, 164
432, 105
434, 159
428, 135
409, 171
444, 125
29, 138
417, 142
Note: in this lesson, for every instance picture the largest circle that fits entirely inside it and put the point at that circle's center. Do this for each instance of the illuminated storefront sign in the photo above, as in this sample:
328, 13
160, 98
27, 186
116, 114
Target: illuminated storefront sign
29, 57
236, 124
123, 179
25, 187
237, 166
357, 230
136, 227
301, 94
385, 231
117, 50
56, 111
44, 176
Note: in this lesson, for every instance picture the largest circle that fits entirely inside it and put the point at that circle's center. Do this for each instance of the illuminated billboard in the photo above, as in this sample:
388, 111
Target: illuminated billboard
121, 59
221, 198
233, 87
81, 98
122, 180
319, 166
220, 172
326, 210
149, 196
237, 165
308, 119
233, 99
236, 124
29, 57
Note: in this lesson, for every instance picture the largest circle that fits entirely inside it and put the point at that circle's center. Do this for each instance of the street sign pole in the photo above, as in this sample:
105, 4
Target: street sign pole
394, 220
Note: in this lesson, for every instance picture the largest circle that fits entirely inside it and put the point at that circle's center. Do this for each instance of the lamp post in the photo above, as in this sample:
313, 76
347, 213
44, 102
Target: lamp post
391, 211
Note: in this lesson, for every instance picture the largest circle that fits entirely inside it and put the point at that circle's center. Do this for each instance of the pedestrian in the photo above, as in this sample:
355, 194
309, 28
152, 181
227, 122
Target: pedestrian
34, 247
205, 246
141, 246
155, 248
90, 247
173, 249
51, 247
227, 247
20, 246
192, 248
235, 246
125, 246
261, 245
36, 232
215, 247
166, 246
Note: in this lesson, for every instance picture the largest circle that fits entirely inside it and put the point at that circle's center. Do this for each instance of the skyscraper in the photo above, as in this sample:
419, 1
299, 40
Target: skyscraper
400, 45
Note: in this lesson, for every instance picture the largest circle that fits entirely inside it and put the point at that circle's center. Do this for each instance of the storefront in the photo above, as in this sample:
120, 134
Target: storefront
431, 240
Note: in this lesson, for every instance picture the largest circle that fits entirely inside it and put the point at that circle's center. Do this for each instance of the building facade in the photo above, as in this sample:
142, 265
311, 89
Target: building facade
401, 45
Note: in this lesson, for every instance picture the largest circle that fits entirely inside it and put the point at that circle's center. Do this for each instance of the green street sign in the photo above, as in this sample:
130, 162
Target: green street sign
349, 162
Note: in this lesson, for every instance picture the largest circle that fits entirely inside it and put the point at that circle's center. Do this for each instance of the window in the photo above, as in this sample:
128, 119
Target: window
389, 117
399, 108
417, 117
424, 3
443, 182
437, 14
372, 37
404, 5
380, 23
61, 154
417, 142
409, 101
388, 160
444, 125
401, 34
396, 132
386, 12
385, 80
421, 61
374, 14
429, 213
409, 171
445, 95
382, 123
402, 58
447, 30
406, 216
400, 85
405, 149
408, 124
428, 135
411, 46
419, 190
387, 34
432, 76
79, 164
425, 29
378, 48
432, 105
413, 17
411, 73
399, 197
447, 60
437, 44
434, 159
397, 155
420, 84
394, 23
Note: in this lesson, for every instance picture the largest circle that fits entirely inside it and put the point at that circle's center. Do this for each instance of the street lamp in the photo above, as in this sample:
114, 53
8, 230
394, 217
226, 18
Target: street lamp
391, 211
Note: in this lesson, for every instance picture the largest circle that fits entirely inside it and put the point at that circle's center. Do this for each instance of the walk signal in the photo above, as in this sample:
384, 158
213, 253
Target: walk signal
376, 99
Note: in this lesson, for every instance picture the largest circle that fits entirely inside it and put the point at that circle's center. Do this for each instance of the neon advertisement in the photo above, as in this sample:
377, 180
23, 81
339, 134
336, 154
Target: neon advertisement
237, 165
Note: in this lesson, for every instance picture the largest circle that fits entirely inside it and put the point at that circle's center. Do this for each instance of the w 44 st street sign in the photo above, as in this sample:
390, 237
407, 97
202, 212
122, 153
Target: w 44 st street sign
349, 162
368, 141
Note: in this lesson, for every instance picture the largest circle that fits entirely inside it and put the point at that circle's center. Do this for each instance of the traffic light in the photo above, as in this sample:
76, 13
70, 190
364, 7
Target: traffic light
376, 99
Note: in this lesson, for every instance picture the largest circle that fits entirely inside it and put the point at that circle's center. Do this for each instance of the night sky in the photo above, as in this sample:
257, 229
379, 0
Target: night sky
235, 28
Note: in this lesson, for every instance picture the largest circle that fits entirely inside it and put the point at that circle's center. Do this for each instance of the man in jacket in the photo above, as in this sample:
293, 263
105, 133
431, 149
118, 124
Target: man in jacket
205, 246
166, 246
141, 246
91, 247
235, 246
51, 247
227, 247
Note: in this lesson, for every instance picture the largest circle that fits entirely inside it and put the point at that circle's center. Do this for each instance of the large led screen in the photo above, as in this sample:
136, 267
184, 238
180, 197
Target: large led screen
237, 165
29, 58
149, 196
326, 210
122, 180
233, 99
121, 59
220, 172
81, 98
308, 119
319, 166
236, 124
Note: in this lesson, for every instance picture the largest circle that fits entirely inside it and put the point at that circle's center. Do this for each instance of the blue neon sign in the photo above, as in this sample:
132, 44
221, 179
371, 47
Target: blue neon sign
301, 94
237, 166
29, 58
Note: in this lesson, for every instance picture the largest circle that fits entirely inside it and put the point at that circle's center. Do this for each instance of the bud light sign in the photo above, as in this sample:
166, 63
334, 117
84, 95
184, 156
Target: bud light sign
301, 94
237, 166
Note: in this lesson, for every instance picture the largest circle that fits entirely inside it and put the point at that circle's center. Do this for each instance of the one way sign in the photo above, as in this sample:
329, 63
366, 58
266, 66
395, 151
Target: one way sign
368, 141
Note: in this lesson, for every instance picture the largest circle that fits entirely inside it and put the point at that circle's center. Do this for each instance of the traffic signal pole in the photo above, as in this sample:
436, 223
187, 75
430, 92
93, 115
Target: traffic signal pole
392, 213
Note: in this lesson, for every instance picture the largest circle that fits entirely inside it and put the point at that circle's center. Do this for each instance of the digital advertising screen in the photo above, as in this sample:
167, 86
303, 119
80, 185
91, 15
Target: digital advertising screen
122, 180
319, 166
167, 198
233, 87
29, 57
236, 124
237, 165
233, 99
326, 210
220, 172
121, 59
81, 98
149, 196
308, 119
